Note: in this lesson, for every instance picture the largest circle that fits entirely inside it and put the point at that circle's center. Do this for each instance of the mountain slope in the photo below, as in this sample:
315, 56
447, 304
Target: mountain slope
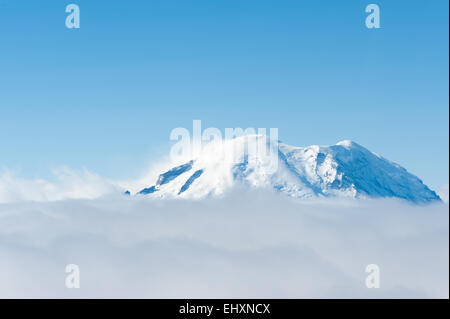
345, 169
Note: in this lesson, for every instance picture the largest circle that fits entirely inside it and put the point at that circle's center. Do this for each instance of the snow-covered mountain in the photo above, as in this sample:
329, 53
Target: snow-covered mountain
345, 169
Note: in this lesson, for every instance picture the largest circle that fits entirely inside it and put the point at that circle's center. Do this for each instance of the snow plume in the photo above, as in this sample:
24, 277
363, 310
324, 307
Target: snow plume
252, 244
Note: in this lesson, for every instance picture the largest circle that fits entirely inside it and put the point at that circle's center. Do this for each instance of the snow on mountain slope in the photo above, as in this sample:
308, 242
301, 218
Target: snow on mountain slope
345, 169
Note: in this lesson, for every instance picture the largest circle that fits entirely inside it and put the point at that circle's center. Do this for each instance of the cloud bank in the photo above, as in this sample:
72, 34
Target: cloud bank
245, 245
67, 184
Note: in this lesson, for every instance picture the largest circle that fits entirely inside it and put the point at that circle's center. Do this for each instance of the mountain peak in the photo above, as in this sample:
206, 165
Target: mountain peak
349, 144
346, 169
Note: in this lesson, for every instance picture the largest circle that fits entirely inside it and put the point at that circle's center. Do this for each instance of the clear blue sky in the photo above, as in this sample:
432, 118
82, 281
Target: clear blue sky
107, 95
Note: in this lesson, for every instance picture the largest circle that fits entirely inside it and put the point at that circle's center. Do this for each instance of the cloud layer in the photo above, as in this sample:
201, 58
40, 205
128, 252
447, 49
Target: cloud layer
67, 184
247, 244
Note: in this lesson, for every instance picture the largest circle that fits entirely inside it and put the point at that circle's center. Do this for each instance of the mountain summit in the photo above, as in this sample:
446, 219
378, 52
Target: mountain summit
346, 169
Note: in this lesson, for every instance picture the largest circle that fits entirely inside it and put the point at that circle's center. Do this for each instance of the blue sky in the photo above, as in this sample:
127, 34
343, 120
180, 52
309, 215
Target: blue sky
107, 95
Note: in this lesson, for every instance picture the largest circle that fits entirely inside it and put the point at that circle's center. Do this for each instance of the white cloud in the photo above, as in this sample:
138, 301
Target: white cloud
68, 184
253, 244
443, 193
